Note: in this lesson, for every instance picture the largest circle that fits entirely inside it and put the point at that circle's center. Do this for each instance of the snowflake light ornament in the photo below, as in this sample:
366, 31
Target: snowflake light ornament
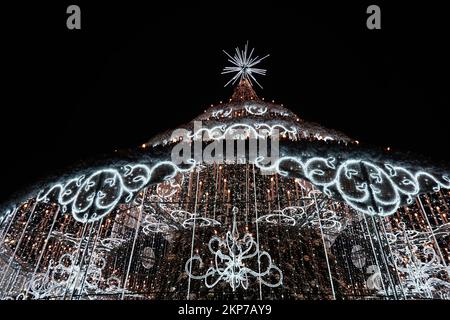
243, 65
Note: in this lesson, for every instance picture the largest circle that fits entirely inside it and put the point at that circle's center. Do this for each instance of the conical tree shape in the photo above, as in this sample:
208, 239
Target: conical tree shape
244, 91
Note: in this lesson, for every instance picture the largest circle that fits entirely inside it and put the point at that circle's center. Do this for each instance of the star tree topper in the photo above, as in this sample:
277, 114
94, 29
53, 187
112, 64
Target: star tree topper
243, 65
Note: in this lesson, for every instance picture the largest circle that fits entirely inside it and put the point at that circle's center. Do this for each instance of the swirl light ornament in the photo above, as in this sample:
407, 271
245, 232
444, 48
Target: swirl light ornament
240, 131
423, 270
254, 109
232, 257
365, 186
170, 217
93, 197
65, 277
306, 215
222, 113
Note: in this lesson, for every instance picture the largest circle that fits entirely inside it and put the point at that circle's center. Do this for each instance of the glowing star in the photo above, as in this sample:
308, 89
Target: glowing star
244, 65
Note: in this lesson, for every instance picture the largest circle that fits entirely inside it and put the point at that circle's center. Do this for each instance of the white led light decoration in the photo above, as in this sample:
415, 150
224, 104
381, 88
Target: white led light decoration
66, 276
254, 109
305, 216
363, 185
222, 113
232, 258
234, 131
94, 197
243, 65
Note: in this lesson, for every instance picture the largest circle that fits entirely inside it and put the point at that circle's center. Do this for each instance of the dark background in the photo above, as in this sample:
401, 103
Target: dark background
134, 70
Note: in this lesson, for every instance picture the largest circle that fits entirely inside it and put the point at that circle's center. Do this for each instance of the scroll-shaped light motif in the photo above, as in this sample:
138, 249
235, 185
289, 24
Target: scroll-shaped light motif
363, 185
233, 258
424, 273
105, 244
188, 219
367, 187
66, 276
169, 216
306, 215
222, 113
417, 237
298, 216
93, 197
240, 131
256, 109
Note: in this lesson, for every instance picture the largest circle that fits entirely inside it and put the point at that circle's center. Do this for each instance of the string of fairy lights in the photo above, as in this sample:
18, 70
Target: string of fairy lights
287, 210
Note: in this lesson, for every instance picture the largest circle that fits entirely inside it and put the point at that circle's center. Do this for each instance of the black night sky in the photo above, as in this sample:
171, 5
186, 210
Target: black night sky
134, 70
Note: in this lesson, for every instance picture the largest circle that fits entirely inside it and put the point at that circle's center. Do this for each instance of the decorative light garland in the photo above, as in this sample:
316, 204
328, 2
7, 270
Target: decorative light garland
363, 191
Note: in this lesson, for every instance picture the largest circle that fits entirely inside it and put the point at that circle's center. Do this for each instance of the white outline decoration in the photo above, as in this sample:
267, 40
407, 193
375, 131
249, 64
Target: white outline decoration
231, 258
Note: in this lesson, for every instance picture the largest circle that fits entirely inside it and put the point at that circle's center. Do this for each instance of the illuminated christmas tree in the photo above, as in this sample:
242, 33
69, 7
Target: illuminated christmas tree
260, 205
